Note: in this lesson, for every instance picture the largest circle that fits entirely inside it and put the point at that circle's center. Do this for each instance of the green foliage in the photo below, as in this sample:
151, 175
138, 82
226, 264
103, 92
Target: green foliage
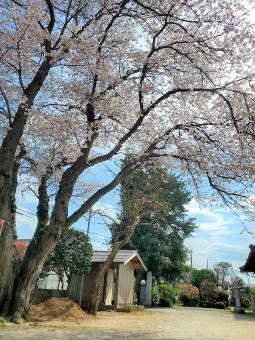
221, 295
165, 302
217, 299
199, 275
3, 322
168, 294
160, 234
220, 305
207, 304
246, 301
189, 295
72, 255
135, 306
154, 295
207, 290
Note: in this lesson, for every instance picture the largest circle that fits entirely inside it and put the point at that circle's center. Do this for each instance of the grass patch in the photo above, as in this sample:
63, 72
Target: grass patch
127, 308
3, 322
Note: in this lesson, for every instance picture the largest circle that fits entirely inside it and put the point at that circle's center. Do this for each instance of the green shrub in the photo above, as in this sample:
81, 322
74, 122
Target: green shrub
207, 290
203, 304
166, 290
3, 322
168, 294
154, 295
220, 305
221, 295
211, 304
166, 302
190, 302
246, 302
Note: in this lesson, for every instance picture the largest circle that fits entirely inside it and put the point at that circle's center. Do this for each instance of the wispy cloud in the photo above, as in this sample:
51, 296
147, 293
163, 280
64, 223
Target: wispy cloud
215, 222
218, 237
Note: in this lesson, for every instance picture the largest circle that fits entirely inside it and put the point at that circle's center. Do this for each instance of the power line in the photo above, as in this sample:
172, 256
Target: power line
28, 212
93, 233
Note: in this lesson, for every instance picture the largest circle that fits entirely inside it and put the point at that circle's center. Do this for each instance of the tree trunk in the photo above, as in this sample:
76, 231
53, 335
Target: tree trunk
8, 186
37, 252
42, 244
7, 238
94, 298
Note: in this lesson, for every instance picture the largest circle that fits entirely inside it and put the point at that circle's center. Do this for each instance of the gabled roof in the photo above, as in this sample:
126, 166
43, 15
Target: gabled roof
123, 256
249, 266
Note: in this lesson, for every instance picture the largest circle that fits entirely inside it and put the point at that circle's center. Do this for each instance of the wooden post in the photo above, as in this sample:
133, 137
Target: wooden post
116, 287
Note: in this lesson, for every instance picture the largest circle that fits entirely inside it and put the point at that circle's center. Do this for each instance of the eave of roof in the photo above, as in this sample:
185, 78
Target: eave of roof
249, 266
123, 256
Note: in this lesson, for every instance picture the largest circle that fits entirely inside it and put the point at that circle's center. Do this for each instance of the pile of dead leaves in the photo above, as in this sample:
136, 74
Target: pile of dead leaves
58, 309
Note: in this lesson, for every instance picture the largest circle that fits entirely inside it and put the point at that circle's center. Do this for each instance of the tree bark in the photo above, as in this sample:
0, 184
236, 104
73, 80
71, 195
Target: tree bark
95, 295
8, 186
37, 252
7, 239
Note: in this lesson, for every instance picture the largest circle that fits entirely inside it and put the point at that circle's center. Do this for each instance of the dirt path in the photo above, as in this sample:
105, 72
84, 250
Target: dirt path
176, 324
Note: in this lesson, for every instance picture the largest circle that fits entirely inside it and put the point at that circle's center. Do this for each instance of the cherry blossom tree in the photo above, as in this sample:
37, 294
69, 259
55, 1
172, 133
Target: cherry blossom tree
36, 36
88, 81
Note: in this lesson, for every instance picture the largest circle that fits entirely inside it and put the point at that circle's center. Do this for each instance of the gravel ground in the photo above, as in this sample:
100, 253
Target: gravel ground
173, 324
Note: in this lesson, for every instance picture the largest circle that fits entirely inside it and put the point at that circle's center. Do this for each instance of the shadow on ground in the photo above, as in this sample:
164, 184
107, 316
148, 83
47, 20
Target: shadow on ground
248, 316
73, 335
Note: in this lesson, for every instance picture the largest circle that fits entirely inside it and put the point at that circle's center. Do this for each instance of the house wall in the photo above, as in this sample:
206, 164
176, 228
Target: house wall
126, 284
125, 290
109, 288
88, 284
51, 282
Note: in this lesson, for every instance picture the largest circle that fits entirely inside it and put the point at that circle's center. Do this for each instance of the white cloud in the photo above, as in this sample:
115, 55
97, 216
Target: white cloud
216, 223
218, 237
106, 209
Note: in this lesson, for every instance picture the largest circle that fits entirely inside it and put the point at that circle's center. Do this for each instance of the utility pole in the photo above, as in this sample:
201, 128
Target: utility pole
207, 264
89, 219
82, 278
191, 263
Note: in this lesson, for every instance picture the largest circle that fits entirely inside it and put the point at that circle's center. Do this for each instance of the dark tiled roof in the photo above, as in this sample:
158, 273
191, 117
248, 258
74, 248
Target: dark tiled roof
249, 266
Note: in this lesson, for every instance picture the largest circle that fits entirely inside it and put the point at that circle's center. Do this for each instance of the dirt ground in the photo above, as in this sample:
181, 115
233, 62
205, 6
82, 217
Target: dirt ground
176, 324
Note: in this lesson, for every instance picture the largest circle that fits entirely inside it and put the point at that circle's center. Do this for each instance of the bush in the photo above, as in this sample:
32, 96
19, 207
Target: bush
154, 295
246, 302
166, 289
167, 295
210, 304
203, 304
220, 305
221, 295
3, 322
166, 302
208, 290
189, 295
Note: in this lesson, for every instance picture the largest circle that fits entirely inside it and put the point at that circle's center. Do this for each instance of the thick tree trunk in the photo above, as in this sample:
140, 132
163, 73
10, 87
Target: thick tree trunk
94, 298
38, 251
7, 238
44, 241
8, 185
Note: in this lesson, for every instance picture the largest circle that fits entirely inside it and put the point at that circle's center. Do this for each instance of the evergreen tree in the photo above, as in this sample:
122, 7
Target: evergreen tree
160, 236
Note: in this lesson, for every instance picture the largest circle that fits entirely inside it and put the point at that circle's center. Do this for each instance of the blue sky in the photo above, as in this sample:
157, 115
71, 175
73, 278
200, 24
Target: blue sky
218, 237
